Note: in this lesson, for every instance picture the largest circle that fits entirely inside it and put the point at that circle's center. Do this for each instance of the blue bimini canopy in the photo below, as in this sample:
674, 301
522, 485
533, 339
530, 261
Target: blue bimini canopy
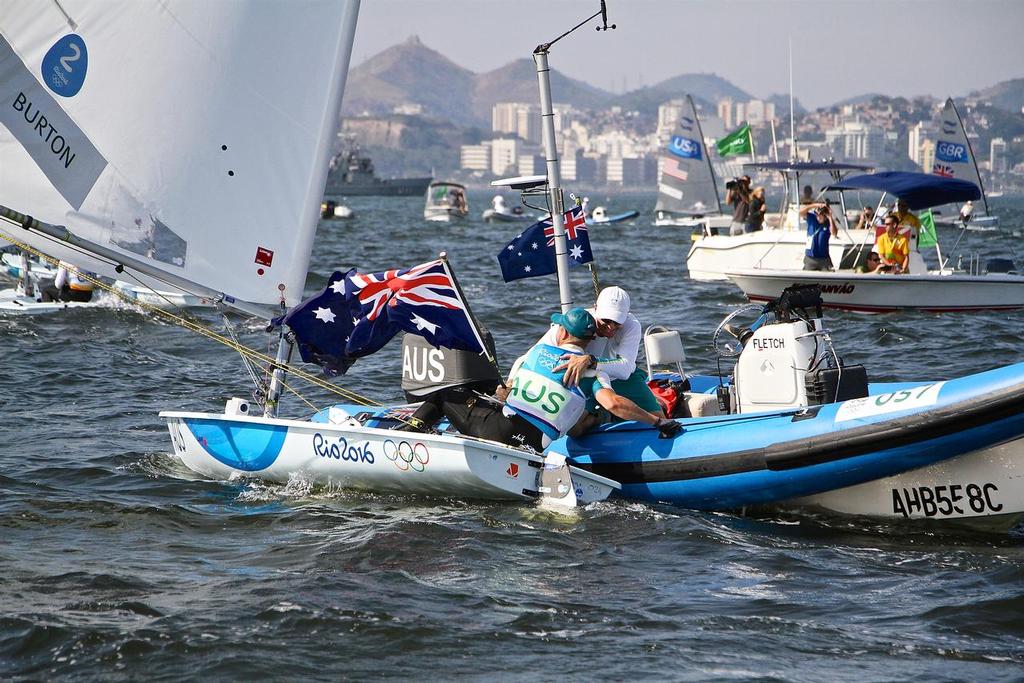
917, 190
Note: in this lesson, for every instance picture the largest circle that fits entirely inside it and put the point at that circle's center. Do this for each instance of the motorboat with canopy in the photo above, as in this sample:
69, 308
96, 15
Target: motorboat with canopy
714, 252
991, 286
446, 202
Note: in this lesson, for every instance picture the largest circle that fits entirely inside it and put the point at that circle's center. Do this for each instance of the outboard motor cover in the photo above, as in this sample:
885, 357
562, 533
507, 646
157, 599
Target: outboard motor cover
427, 370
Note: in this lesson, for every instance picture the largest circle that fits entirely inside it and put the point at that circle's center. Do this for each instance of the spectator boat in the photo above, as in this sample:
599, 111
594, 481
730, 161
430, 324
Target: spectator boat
781, 244
446, 202
994, 286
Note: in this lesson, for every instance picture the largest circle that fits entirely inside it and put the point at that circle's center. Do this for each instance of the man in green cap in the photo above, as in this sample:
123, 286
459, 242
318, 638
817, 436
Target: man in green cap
538, 409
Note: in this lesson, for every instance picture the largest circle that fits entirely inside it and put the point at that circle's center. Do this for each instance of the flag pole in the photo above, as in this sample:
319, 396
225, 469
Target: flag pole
750, 136
473, 324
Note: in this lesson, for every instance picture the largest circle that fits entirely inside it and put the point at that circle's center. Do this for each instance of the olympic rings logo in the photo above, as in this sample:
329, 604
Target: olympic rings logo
407, 456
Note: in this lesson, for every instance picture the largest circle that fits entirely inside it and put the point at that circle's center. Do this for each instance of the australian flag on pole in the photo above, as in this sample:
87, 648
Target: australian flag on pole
532, 253
357, 314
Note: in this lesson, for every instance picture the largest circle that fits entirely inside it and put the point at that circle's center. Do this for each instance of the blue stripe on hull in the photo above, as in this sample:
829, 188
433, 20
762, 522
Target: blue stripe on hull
243, 446
769, 486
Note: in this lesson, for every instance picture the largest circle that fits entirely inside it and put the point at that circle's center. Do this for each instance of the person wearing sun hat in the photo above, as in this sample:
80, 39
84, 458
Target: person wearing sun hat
538, 408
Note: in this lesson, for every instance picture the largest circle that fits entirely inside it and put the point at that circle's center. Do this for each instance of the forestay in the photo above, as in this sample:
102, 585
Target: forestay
147, 127
686, 182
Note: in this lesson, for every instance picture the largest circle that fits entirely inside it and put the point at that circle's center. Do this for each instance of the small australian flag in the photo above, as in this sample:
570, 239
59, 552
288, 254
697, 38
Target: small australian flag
532, 253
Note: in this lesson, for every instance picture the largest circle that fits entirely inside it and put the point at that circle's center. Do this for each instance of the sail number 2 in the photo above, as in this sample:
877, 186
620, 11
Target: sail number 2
341, 450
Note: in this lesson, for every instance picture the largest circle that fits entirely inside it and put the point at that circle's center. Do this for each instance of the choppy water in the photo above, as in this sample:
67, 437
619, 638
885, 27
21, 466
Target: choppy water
117, 563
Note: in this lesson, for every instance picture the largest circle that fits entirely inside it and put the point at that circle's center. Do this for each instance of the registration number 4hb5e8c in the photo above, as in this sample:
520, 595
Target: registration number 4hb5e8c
945, 501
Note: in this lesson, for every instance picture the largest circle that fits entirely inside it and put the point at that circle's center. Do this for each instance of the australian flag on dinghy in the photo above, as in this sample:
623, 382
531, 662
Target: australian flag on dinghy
357, 314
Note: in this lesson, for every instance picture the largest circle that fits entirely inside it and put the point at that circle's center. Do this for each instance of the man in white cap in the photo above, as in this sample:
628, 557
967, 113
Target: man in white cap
612, 352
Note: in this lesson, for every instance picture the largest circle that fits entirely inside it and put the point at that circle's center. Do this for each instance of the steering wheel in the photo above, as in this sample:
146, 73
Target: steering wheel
726, 339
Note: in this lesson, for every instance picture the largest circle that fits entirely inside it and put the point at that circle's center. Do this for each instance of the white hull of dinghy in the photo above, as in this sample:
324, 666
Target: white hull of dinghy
985, 489
351, 456
711, 257
164, 300
14, 302
871, 293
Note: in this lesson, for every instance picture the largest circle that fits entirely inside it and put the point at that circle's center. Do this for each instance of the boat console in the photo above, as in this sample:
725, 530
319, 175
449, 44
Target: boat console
786, 358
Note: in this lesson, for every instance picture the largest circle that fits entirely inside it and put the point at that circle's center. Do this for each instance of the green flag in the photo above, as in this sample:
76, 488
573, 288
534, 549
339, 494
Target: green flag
927, 237
736, 142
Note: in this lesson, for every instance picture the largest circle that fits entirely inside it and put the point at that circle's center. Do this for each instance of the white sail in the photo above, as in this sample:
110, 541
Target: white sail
686, 182
193, 135
954, 157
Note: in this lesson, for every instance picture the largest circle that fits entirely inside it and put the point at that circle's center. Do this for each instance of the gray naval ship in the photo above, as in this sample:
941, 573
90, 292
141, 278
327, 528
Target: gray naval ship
352, 175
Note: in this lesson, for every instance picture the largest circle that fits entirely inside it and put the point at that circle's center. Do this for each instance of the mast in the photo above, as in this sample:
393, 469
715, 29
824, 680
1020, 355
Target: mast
556, 201
792, 112
707, 154
981, 185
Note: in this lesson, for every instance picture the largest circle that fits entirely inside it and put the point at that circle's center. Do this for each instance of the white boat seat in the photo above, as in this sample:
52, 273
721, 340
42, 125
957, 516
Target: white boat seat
663, 346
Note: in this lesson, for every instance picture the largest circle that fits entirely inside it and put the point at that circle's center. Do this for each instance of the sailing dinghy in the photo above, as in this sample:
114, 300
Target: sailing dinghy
126, 173
954, 158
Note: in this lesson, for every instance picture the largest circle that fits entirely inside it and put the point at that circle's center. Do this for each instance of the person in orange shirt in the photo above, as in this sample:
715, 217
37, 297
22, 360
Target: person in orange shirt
893, 247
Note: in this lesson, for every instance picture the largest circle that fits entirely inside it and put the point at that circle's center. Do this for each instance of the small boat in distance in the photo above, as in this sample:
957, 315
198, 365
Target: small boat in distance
954, 158
445, 202
687, 191
500, 213
330, 210
600, 216
352, 174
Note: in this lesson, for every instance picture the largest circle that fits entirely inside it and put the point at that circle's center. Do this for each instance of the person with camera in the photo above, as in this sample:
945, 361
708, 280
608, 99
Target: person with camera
821, 226
737, 193
756, 212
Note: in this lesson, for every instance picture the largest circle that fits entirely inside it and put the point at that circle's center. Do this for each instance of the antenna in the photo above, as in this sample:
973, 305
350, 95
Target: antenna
603, 13
604, 18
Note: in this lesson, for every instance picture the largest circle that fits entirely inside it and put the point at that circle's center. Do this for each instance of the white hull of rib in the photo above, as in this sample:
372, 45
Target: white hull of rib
351, 456
985, 488
869, 293
710, 258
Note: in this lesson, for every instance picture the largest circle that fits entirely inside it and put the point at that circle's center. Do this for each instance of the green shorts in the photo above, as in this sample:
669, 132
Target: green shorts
635, 389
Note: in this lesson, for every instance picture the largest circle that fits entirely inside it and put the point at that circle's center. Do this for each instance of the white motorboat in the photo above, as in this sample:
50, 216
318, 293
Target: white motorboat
501, 213
942, 290
445, 202
330, 210
782, 243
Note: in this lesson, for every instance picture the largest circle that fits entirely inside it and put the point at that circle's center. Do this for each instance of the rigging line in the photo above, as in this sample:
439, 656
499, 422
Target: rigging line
201, 329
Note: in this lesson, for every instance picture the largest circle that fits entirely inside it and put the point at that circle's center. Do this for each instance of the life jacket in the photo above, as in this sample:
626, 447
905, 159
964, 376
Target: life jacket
538, 396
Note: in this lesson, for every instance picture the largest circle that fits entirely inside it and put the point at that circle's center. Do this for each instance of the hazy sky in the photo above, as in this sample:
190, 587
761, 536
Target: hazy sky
841, 48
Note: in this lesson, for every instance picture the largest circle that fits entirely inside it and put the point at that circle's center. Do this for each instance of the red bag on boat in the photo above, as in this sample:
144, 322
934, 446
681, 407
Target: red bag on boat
670, 395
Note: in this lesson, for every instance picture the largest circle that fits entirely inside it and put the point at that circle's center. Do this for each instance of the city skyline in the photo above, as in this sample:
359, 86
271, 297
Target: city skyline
910, 47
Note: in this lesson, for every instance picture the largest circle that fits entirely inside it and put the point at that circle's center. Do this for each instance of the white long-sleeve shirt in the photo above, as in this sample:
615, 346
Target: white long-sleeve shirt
616, 354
